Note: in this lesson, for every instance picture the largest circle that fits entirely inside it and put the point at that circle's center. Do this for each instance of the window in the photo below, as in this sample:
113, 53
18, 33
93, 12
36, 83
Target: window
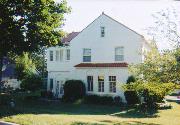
119, 54
51, 84
86, 55
112, 84
100, 83
61, 55
57, 55
68, 54
90, 83
102, 31
51, 55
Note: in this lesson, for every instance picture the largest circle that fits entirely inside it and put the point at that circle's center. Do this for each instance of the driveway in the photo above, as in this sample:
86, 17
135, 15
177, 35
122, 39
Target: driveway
7, 123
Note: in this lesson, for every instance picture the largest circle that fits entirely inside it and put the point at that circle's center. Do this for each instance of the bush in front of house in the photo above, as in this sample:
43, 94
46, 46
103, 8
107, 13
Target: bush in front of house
46, 94
131, 79
102, 100
5, 99
73, 90
32, 82
131, 97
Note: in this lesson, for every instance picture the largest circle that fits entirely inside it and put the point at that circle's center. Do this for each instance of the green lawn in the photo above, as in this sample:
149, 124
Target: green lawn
48, 113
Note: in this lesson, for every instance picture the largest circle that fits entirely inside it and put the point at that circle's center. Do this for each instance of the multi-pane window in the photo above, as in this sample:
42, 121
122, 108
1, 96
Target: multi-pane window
119, 54
102, 31
100, 83
51, 84
86, 55
112, 84
51, 55
61, 55
57, 55
90, 83
68, 54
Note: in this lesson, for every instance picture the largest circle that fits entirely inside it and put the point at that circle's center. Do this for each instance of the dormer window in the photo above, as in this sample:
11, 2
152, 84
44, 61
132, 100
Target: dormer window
102, 31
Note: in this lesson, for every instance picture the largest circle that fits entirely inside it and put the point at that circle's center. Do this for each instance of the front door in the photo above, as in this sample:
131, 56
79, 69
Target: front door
61, 89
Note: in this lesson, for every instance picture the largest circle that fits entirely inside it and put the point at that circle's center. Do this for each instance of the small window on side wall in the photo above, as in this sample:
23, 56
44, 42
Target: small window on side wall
102, 31
51, 84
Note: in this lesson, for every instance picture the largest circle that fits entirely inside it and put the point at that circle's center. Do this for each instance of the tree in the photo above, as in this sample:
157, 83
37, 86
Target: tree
24, 66
27, 25
157, 67
166, 28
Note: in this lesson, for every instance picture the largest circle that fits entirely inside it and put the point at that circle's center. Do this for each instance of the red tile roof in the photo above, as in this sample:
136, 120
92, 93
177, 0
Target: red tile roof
102, 65
69, 37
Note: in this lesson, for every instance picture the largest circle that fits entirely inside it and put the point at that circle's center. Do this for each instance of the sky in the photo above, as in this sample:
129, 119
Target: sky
136, 14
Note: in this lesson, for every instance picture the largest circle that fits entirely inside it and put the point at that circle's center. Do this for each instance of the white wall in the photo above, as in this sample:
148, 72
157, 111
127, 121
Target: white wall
102, 51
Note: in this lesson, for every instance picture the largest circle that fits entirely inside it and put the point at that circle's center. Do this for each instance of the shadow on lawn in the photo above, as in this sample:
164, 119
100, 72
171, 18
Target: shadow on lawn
41, 107
122, 123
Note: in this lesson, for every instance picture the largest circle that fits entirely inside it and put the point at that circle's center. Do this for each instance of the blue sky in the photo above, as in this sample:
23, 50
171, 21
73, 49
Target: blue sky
136, 14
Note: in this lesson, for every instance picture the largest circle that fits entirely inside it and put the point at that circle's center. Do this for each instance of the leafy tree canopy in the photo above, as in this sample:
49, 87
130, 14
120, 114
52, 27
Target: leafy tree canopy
27, 25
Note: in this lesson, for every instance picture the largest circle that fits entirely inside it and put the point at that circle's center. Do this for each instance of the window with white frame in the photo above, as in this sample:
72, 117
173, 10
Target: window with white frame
102, 31
57, 55
119, 54
100, 83
112, 84
51, 55
68, 54
61, 55
90, 83
86, 55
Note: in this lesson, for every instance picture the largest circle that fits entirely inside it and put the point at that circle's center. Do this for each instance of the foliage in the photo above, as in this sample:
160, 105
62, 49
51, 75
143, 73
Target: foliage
131, 79
158, 67
73, 90
131, 97
31, 82
27, 25
165, 28
103, 100
151, 91
24, 66
4, 99
47, 94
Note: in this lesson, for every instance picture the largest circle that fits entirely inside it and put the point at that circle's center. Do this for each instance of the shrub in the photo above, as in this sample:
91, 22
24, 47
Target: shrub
131, 79
5, 99
32, 82
95, 99
73, 90
118, 100
131, 97
47, 94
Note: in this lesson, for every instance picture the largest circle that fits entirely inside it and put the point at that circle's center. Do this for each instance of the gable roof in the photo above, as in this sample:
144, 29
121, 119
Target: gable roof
74, 34
69, 37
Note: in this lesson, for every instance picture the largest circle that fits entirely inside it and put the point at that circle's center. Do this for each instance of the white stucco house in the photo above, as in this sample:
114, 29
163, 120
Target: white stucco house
98, 55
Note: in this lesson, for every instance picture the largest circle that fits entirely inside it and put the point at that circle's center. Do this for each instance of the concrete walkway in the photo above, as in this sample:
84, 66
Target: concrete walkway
7, 123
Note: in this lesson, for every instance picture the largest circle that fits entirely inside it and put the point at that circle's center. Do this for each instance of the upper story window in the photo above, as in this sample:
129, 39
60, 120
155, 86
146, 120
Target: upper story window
68, 54
61, 55
102, 31
57, 55
51, 55
86, 55
119, 54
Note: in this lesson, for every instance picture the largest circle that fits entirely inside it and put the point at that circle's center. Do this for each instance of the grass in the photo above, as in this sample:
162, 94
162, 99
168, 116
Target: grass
48, 113
29, 112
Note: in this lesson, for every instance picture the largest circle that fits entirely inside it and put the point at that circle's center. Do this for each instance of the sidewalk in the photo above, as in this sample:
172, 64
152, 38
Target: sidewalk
7, 123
